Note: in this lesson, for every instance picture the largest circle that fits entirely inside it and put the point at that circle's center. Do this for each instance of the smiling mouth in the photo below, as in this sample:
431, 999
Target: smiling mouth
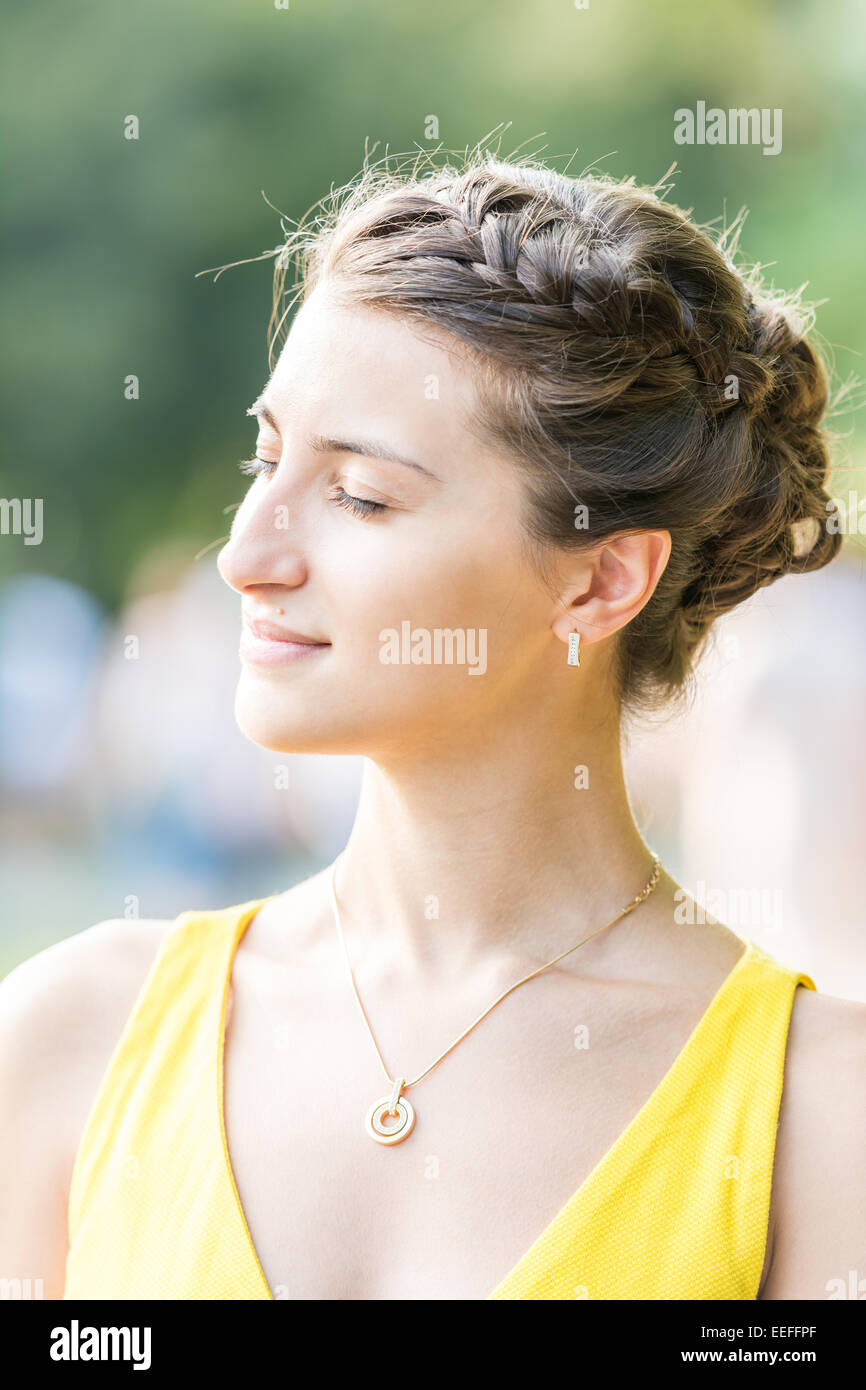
273, 632
264, 643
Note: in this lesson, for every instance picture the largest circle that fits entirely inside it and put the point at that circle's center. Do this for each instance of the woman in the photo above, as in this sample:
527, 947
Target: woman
528, 436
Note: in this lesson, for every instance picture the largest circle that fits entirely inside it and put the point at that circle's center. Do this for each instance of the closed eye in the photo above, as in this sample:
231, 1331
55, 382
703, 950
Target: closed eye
255, 466
359, 506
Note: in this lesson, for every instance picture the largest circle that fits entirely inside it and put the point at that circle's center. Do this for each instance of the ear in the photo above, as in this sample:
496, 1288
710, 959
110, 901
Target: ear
602, 589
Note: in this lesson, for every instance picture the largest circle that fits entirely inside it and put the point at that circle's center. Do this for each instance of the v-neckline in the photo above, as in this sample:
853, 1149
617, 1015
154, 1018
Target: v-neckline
654, 1101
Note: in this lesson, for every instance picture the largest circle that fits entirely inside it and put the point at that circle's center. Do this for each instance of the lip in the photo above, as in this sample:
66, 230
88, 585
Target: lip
261, 627
268, 644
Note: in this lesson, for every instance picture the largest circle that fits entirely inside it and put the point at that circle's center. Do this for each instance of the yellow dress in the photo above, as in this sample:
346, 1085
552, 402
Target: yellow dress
677, 1208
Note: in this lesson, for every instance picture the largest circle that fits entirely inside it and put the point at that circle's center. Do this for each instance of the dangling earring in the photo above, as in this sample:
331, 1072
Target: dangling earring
574, 648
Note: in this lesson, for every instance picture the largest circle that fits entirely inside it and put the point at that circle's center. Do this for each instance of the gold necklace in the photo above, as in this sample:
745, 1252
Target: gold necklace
396, 1103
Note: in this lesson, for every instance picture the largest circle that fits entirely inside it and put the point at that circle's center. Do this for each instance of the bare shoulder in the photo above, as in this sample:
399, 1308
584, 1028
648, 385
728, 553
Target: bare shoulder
816, 1247
69, 995
63, 1009
61, 1013
819, 1197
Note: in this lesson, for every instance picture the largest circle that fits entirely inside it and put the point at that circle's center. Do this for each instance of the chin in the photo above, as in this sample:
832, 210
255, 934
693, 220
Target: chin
276, 724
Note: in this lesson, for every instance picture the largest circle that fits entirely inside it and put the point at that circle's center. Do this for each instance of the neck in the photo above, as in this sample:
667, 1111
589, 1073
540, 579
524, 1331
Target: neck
459, 859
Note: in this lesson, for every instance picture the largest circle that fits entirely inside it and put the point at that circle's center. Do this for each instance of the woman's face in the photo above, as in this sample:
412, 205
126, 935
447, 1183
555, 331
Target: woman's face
432, 543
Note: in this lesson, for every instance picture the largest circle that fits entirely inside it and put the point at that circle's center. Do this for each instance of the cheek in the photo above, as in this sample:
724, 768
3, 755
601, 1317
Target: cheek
476, 586
427, 583
481, 578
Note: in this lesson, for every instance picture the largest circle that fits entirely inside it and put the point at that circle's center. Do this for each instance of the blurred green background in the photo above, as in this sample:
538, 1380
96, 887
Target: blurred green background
104, 235
103, 238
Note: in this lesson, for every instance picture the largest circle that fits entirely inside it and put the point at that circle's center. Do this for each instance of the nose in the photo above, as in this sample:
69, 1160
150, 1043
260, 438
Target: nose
262, 550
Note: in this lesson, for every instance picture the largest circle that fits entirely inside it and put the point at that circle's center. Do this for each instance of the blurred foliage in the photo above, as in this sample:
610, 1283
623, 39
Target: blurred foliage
103, 236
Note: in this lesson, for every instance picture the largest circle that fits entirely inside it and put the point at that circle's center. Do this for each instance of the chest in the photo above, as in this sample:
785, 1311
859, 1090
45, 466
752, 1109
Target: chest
507, 1128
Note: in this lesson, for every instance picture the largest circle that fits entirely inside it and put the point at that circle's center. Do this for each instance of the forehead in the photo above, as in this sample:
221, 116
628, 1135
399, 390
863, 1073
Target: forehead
355, 357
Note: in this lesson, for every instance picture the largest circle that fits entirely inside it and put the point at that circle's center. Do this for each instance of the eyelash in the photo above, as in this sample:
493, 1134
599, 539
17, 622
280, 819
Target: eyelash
358, 506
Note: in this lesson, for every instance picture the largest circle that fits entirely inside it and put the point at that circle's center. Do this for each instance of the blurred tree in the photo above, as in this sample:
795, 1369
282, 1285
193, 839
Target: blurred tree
103, 235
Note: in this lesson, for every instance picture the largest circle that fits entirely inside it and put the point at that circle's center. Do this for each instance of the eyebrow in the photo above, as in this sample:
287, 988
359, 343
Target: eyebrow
325, 444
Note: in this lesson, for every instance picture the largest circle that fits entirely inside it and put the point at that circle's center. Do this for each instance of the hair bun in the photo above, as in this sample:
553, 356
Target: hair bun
798, 386
754, 378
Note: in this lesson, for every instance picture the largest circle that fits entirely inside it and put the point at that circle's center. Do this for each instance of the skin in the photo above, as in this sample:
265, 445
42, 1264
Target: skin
467, 799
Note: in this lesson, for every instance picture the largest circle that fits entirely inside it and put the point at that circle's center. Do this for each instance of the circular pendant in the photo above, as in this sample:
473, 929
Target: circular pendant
398, 1110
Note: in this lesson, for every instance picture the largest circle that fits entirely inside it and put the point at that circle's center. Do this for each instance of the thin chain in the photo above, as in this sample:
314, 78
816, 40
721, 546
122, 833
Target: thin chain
642, 895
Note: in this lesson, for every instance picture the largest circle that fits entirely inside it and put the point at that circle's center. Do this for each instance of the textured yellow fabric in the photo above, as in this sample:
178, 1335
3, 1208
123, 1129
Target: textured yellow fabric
677, 1208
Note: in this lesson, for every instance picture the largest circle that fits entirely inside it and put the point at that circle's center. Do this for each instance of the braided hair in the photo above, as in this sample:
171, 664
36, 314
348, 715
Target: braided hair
624, 363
